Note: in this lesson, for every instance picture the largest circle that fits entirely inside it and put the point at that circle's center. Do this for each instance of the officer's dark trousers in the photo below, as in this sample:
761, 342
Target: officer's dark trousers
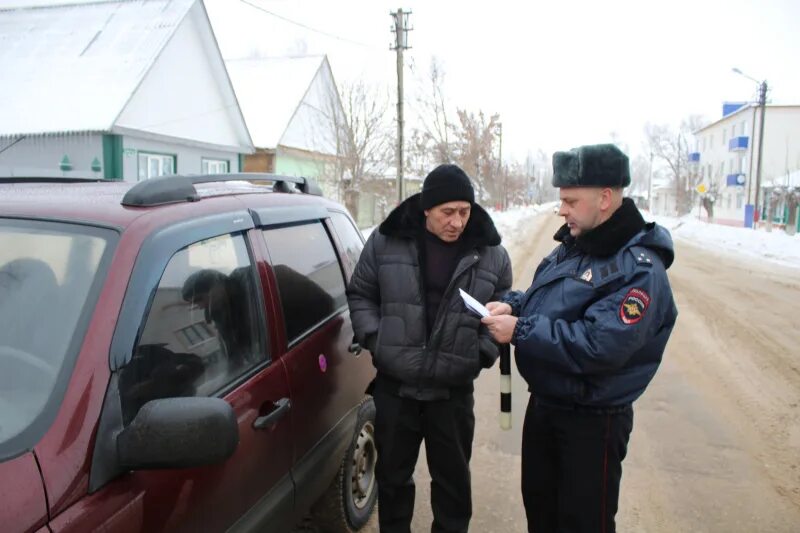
447, 427
571, 468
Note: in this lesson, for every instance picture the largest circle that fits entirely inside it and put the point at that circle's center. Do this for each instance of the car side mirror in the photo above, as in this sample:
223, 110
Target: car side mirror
179, 433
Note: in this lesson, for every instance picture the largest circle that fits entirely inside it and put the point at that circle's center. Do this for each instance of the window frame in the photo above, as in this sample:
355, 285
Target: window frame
329, 232
208, 160
153, 154
153, 257
341, 251
263, 336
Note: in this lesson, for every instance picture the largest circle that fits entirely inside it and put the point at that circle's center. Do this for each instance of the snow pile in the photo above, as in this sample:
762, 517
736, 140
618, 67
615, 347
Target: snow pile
775, 246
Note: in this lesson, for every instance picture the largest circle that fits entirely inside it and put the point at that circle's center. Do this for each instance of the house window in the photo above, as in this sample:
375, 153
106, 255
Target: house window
733, 131
744, 127
724, 136
216, 166
153, 165
739, 200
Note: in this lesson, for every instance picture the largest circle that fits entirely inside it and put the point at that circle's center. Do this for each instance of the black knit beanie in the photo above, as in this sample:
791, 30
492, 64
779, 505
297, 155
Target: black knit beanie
446, 183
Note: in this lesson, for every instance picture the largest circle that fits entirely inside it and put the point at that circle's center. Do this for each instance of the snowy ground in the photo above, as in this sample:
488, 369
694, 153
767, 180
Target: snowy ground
775, 246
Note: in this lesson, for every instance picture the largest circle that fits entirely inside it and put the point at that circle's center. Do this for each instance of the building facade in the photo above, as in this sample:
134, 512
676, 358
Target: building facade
116, 90
726, 158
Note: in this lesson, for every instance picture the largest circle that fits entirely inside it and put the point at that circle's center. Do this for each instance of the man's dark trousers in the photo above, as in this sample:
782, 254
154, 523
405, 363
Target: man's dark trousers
447, 426
572, 466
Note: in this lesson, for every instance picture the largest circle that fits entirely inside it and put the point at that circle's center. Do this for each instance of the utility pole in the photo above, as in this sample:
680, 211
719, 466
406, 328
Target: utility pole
752, 157
762, 101
400, 30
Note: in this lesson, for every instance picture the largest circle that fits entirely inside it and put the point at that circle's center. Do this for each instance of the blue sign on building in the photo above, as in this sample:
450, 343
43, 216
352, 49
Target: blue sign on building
734, 180
731, 107
738, 144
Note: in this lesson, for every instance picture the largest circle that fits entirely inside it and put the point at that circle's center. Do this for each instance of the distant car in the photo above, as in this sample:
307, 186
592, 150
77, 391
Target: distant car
177, 355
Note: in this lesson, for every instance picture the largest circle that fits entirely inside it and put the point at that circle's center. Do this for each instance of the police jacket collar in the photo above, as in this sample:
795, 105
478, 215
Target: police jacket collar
407, 220
609, 237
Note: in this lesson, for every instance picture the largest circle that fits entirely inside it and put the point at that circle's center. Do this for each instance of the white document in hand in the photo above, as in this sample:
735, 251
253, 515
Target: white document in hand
473, 304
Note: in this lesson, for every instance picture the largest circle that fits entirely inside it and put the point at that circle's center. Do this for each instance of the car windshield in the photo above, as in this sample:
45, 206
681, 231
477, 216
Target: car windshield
47, 272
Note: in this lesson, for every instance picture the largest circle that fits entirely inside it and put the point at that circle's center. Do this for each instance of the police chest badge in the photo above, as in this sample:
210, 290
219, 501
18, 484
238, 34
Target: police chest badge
634, 306
587, 276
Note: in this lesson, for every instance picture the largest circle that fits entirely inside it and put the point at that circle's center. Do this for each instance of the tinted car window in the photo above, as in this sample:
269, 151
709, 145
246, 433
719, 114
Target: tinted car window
309, 276
349, 237
202, 331
47, 271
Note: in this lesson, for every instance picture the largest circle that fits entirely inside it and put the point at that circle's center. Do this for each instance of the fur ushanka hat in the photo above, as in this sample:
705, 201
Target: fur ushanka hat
594, 165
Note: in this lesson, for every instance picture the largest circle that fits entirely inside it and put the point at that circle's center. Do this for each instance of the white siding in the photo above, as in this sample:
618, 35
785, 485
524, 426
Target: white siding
186, 93
40, 155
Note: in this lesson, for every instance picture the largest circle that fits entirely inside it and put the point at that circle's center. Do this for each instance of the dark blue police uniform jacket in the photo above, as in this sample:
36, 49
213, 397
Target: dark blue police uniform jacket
592, 329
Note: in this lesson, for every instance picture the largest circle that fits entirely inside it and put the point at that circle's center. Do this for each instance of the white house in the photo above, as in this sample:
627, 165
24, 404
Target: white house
294, 113
116, 89
726, 156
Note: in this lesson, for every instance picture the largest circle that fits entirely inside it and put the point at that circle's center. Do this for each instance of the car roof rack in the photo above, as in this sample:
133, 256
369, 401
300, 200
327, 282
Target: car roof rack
174, 189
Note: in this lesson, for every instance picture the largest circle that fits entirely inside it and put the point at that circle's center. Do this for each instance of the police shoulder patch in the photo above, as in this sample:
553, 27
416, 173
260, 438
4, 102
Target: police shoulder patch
633, 306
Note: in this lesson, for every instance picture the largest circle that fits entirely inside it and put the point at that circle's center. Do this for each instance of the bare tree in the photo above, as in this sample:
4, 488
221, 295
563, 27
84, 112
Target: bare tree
364, 140
640, 176
670, 148
475, 139
436, 128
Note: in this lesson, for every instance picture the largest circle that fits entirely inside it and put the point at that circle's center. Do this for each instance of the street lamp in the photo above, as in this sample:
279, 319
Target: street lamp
762, 102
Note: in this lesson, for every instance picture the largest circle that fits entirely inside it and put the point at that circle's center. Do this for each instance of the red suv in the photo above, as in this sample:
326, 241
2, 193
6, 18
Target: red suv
177, 355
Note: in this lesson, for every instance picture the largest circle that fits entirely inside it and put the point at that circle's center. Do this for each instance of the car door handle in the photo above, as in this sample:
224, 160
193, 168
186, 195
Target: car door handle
282, 407
355, 348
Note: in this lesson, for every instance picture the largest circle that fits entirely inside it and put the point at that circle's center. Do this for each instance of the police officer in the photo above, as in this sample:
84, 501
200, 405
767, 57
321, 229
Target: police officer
589, 336
427, 347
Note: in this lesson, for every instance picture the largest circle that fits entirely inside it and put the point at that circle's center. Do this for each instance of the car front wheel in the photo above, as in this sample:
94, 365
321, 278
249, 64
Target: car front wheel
348, 503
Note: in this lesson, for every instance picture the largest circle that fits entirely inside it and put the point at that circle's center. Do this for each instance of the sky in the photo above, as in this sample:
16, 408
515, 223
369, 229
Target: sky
559, 74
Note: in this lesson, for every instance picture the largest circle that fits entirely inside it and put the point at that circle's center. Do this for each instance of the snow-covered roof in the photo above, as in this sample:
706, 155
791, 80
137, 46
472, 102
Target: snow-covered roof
736, 114
73, 67
790, 179
269, 91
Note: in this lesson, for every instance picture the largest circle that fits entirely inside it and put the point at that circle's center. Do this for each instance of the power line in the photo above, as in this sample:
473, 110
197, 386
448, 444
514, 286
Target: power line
304, 26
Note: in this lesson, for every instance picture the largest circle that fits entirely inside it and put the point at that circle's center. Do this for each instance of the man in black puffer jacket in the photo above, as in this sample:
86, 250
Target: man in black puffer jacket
427, 347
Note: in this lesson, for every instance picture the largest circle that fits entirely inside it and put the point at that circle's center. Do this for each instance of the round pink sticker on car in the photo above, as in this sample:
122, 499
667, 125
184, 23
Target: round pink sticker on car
323, 362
